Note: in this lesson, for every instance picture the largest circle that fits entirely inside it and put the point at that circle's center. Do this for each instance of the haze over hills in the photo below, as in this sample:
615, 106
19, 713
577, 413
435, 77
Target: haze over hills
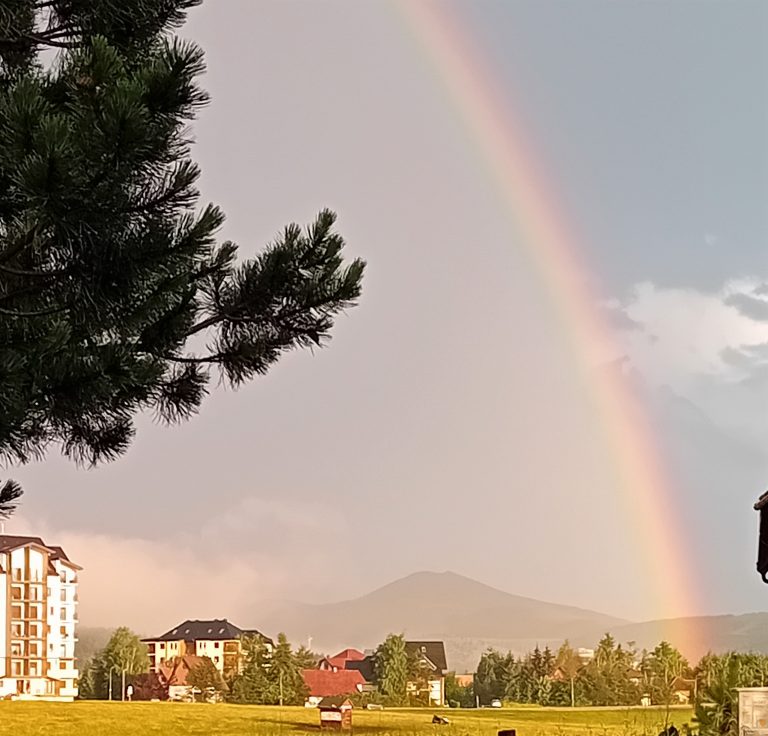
470, 617
467, 614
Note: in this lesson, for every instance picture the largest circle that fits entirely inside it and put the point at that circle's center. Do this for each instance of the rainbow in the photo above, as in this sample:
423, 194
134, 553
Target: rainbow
529, 201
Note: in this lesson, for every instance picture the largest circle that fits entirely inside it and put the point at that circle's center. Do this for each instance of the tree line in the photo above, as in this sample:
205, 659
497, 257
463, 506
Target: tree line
615, 675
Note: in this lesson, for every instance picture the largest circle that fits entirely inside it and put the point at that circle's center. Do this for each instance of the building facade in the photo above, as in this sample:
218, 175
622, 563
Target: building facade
38, 607
217, 639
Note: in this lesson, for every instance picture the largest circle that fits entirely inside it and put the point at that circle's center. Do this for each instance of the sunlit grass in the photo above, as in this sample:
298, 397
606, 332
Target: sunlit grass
140, 719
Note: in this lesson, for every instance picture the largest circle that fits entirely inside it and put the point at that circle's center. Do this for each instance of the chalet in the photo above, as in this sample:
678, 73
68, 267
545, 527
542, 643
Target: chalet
430, 658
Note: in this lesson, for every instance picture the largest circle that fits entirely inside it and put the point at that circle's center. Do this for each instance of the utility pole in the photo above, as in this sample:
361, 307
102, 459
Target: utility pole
281, 688
123, 691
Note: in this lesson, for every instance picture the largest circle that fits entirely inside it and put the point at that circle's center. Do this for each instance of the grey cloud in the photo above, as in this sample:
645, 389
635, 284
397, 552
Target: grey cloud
619, 319
761, 290
744, 356
749, 306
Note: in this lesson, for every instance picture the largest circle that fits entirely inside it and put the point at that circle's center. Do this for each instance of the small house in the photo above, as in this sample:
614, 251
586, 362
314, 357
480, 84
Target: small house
430, 658
336, 714
323, 684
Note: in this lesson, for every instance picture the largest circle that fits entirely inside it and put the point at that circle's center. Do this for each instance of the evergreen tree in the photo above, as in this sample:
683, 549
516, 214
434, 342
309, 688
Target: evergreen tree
252, 684
494, 673
285, 683
206, 678
607, 679
664, 665
111, 277
392, 670
305, 658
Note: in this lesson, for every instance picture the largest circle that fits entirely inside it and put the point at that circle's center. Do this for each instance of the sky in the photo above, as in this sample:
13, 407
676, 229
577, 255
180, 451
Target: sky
445, 426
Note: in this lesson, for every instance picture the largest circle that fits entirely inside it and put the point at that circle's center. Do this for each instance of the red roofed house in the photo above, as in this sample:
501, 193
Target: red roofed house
173, 675
326, 683
339, 661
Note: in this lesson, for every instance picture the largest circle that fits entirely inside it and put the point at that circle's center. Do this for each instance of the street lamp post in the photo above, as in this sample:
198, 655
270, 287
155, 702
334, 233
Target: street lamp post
111, 670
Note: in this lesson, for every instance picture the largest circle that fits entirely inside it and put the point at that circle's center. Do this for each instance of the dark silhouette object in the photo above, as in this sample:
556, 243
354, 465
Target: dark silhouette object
670, 731
508, 732
762, 545
440, 720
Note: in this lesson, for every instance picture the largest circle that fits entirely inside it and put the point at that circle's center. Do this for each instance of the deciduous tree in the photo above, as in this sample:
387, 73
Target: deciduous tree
392, 670
569, 663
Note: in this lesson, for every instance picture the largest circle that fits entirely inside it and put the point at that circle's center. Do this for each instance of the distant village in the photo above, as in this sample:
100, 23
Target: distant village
215, 659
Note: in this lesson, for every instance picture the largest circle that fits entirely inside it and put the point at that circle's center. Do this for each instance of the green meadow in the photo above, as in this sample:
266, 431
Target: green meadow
93, 718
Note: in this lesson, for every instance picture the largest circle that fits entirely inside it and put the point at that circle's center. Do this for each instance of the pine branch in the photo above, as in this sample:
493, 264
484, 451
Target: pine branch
38, 313
10, 493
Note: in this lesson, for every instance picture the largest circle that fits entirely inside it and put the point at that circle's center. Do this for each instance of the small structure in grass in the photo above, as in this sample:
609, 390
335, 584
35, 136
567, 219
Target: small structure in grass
335, 714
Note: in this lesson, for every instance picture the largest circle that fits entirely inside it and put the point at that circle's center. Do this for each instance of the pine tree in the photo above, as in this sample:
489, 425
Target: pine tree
252, 684
493, 677
115, 296
206, 678
286, 685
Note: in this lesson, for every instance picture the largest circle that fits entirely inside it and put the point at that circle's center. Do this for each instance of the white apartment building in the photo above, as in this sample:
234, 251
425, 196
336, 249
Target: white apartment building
38, 615
217, 639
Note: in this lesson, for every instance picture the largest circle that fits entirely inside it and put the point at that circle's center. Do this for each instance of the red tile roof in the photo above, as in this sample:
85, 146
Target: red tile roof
325, 683
175, 671
348, 655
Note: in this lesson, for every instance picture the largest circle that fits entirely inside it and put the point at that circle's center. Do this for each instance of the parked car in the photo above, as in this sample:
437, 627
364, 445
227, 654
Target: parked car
495, 703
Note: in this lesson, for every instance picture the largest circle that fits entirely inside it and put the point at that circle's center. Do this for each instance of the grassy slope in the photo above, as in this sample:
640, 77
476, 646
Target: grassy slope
145, 719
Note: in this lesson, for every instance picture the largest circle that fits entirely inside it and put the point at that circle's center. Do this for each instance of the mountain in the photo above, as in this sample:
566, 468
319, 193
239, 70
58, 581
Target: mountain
697, 635
469, 616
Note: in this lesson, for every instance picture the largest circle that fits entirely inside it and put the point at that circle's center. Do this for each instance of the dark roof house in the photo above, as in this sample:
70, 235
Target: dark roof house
212, 630
366, 667
432, 653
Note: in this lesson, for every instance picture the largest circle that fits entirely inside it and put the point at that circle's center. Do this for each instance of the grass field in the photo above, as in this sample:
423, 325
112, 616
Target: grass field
171, 719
